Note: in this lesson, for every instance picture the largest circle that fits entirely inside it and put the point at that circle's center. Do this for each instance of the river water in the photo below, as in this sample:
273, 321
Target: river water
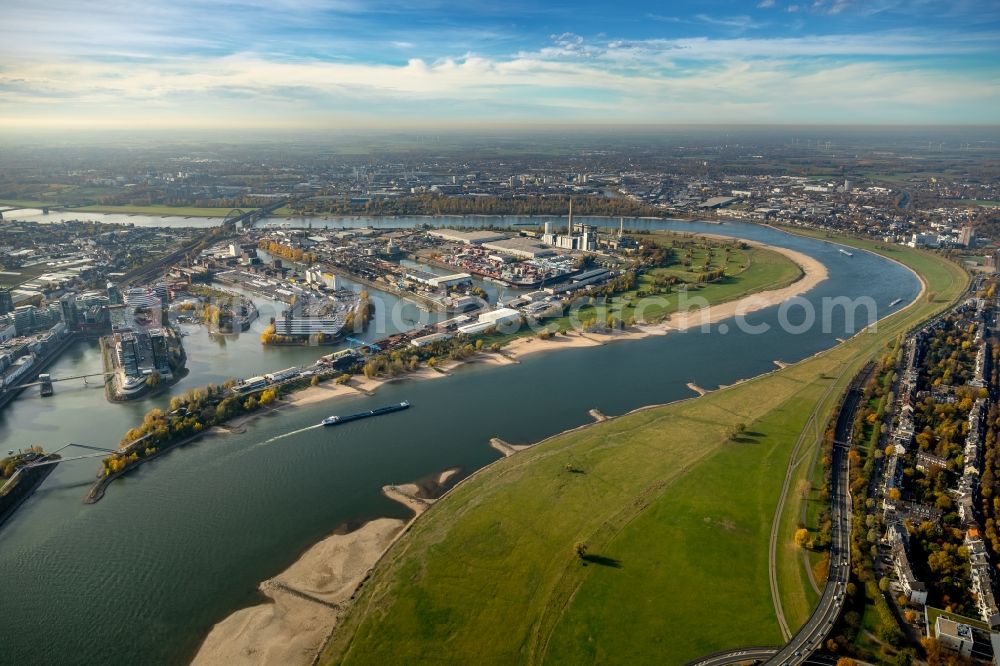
183, 541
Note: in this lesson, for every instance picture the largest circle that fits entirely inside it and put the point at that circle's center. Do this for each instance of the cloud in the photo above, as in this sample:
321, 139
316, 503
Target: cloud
741, 22
528, 85
109, 62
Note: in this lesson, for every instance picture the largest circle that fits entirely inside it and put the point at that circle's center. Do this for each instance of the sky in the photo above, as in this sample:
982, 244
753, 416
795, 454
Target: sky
272, 64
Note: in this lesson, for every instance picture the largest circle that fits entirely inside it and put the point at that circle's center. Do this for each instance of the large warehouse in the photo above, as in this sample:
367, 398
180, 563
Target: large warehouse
522, 246
467, 237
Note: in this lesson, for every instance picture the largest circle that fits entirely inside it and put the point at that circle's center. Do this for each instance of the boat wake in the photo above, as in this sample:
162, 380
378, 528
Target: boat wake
288, 434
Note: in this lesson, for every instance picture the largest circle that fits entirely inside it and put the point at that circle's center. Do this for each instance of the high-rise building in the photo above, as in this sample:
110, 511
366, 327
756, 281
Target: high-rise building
67, 305
115, 294
128, 353
6, 301
966, 237
24, 319
158, 345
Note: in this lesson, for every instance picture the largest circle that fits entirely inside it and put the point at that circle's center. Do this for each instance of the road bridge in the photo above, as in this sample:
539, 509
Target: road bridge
237, 216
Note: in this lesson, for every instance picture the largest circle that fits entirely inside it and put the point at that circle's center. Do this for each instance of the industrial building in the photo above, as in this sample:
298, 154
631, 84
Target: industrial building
521, 247
467, 237
717, 202
290, 324
437, 281
579, 237
425, 340
282, 375
492, 319
322, 279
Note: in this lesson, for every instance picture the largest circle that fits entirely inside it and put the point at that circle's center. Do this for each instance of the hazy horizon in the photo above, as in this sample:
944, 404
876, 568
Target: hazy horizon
397, 64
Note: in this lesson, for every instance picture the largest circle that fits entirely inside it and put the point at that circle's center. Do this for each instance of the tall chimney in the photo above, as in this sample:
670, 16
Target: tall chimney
569, 225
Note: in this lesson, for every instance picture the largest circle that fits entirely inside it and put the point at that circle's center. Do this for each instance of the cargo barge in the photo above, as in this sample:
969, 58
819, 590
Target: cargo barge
337, 420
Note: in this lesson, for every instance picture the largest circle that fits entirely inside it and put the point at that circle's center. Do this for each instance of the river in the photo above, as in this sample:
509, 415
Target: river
183, 541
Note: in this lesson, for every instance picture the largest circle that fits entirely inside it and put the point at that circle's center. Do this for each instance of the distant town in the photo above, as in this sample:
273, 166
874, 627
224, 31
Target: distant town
136, 251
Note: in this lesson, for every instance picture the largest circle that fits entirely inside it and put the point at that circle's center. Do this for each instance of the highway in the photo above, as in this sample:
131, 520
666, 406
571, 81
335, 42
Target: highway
761, 653
809, 639
735, 656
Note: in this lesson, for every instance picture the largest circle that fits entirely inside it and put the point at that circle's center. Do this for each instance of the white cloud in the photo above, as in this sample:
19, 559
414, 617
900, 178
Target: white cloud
823, 78
529, 84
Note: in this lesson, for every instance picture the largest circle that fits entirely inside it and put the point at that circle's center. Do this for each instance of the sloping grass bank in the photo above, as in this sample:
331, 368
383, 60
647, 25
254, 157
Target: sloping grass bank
674, 512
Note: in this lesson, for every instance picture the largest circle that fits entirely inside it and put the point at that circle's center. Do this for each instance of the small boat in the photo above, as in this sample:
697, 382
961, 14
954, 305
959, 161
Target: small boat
337, 420
843, 251
895, 302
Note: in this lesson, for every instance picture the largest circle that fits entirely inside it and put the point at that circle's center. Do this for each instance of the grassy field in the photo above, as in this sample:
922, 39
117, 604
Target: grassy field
676, 517
23, 203
749, 271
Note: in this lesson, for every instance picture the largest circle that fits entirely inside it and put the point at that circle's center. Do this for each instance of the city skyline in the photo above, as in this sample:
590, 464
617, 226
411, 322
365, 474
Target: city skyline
322, 64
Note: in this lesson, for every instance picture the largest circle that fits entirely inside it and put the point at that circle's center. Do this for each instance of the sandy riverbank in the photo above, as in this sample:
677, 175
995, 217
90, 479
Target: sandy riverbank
304, 601
813, 272
507, 449
361, 385
306, 598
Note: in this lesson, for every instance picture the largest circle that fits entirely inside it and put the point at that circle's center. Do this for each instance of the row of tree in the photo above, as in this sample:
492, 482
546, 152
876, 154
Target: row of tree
435, 204
189, 414
296, 254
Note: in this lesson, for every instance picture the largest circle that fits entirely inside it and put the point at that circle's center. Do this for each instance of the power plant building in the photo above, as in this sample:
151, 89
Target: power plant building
578, 237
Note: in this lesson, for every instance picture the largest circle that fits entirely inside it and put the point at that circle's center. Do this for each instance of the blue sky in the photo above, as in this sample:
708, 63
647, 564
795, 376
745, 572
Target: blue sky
402, 63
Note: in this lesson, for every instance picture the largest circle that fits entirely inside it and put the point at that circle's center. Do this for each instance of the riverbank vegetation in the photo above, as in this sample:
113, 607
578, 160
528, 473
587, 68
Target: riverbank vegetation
190, 414
685, 257
431, 204
11, 463
692, 273
667, 504
287, 252
18, 481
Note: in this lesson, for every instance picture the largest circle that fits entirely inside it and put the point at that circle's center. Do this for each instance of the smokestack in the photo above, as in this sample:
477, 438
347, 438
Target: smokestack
569, 225
621, 227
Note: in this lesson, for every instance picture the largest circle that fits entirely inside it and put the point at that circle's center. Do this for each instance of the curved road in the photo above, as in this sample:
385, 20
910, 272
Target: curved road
759, 654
